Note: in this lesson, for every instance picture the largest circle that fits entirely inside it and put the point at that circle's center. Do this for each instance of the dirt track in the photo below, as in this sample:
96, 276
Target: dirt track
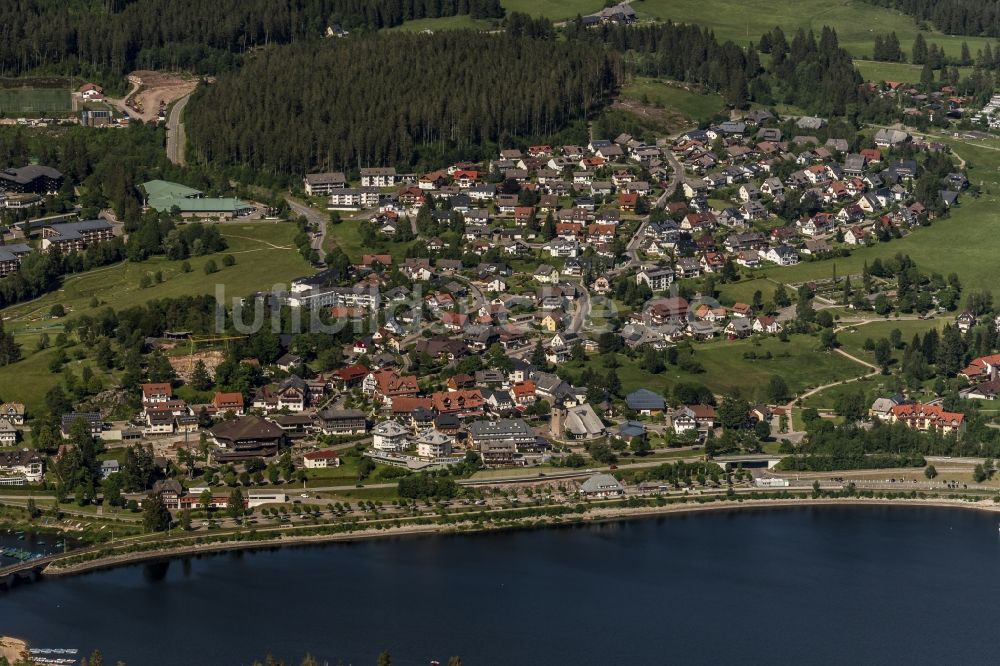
154, 88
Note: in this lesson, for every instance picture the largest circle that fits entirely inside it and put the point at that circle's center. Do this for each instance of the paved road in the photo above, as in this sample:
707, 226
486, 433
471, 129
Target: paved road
316, 218
175, 131
675, 178
581, 313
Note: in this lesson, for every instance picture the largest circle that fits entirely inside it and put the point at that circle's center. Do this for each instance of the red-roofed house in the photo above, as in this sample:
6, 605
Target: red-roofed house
459, 403
523, 392
157, 393
927, 418
228, 402
321, 459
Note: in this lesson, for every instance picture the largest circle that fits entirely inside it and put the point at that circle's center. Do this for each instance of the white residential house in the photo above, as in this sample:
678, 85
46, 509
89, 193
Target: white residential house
320, 459
683, 422
390, 437
767, 325
379, 177
657, 279
434, 444
782, 255
546, 274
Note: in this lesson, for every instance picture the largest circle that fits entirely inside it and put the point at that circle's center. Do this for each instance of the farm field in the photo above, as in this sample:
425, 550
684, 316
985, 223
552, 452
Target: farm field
34, 101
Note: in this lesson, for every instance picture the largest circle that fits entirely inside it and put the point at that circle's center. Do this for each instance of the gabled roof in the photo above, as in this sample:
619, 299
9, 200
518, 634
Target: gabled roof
645, 399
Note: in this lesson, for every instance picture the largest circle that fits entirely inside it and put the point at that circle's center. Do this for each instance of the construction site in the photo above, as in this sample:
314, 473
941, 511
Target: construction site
152, 92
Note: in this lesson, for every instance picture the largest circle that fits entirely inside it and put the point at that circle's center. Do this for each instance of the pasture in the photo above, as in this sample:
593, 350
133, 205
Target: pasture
744, 21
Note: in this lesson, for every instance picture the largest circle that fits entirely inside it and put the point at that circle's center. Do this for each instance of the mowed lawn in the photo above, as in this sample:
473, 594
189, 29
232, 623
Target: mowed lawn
852, 340
692, 105
264, 255
727, 371
743, 21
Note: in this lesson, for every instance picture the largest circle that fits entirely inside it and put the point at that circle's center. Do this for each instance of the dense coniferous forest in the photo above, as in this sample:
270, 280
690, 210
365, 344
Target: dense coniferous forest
395, 99
113, 37
955, 17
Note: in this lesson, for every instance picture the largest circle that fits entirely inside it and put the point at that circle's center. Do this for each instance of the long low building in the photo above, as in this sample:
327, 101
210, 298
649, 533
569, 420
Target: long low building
342, 421
164, 196
353, 198
334, 297
318, 184
76, 236
31, 179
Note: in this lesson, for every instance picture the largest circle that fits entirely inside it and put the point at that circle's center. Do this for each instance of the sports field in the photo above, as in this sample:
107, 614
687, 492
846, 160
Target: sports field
34, 101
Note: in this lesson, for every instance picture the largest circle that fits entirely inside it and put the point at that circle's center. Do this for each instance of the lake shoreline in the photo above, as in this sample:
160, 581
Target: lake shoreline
594, 516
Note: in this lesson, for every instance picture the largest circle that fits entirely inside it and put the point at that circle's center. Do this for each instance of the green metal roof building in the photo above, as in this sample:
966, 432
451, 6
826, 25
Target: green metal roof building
162, 195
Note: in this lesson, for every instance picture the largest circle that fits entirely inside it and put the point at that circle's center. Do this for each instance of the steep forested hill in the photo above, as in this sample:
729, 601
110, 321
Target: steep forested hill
395, 99
112, 37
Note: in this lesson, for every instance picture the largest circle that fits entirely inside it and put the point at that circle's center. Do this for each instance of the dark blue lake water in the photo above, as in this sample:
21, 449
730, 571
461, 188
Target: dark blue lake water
829, 585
